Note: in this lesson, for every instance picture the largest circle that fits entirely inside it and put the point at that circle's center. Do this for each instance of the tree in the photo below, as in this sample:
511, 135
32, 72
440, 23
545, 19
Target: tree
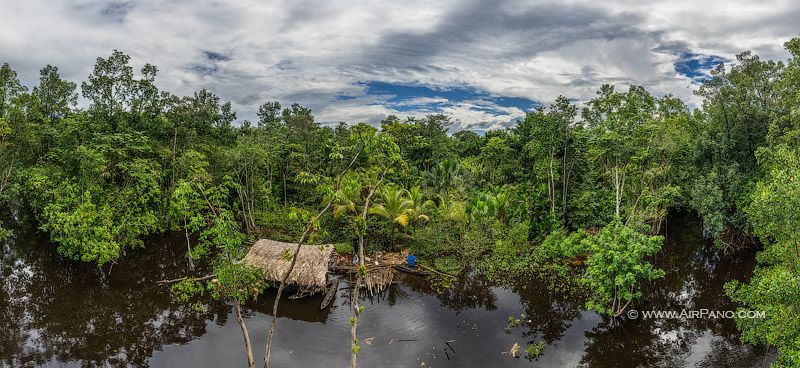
10, 87
54, 96
738, 108
221, 239
616, 267
774, 288
329, 188
546, 138
420, 207
110, 88
188, 202
620, 123
269, 114
394, 206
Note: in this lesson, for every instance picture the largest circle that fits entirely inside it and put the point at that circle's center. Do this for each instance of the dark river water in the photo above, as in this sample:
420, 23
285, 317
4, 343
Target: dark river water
59, 313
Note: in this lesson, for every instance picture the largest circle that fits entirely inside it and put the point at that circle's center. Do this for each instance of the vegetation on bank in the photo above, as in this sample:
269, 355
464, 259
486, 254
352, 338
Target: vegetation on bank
572, 191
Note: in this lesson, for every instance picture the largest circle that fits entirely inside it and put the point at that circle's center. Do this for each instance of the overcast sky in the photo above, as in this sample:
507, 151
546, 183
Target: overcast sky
484, 63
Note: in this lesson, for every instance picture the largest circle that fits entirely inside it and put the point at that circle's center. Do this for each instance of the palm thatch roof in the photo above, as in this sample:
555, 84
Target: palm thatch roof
274, 258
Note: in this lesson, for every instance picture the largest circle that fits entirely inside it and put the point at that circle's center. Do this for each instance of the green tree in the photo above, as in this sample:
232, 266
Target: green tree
774, 288
110, 88
616, 267
393, 205
54, 96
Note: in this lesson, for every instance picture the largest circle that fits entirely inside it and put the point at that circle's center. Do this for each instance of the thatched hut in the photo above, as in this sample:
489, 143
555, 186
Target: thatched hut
274, 258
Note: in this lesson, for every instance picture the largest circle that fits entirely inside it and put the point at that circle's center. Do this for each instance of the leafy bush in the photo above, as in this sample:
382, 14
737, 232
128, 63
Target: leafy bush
616, 267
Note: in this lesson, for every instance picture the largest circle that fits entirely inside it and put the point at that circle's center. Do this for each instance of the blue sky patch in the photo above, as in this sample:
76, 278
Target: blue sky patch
415, 97
216, 56
697, 66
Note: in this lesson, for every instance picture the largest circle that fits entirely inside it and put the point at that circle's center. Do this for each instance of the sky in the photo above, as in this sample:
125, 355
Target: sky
484, 63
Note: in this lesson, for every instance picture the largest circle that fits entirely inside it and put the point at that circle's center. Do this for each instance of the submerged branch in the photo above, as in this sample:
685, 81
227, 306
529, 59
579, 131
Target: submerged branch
206, 277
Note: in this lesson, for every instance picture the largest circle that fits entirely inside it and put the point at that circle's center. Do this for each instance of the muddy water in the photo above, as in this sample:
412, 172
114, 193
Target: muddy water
58, 313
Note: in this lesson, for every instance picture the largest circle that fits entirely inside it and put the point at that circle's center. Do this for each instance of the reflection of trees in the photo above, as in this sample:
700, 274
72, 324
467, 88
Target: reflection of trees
468, 291
636, 344
304, 309
548, 312
57, 309
695, 275
727, 354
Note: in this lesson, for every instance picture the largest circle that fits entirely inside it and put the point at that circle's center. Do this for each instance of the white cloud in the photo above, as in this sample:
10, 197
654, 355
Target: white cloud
310, 52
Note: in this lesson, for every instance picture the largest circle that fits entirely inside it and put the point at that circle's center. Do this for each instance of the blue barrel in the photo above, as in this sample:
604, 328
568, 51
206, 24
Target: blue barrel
412, 260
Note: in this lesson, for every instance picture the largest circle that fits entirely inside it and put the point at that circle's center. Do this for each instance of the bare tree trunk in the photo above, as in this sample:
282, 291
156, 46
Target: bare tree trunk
188, 246
251, 363
616, 190
361, 255
174, 153
302, 240
551, 182
354, 324
285, 203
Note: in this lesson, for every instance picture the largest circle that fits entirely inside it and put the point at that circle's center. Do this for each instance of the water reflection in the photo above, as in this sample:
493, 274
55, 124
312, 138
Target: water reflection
54, 312
695, 275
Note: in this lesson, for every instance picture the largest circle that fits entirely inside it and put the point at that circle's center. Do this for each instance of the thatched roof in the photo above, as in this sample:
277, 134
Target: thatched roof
274, 258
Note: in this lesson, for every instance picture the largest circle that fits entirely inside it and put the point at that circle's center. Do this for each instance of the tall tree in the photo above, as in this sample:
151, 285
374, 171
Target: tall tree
110, 88
55, 97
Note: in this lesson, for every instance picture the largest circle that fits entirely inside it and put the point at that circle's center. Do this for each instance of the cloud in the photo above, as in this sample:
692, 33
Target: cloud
486, 60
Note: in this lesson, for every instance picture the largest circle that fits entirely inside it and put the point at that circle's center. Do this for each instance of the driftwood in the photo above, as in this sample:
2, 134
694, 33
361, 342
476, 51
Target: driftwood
437, 272
179, 279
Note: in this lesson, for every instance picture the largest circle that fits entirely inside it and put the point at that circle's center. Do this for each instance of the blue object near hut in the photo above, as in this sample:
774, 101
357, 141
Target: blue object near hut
412, 260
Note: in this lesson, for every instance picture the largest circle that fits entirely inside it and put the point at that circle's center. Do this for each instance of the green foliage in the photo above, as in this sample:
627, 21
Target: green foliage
616, 267
188, 292
449, 265
344, 248
774, 290
237, 282
84, 230
775, 208
5, 234
138, 161
775, 286
513, 322
394, 205
535, 350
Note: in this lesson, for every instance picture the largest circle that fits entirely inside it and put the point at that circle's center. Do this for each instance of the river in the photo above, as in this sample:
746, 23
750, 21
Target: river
54, 312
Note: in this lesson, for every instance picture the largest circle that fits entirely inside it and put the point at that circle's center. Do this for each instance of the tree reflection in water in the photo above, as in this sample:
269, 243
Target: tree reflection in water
55, 310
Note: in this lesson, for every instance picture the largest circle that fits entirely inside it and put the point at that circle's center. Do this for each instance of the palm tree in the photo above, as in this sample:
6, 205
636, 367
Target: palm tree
500, 200
451, 210
394, 206
445, 173
419, 207
347, 198
493, 203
